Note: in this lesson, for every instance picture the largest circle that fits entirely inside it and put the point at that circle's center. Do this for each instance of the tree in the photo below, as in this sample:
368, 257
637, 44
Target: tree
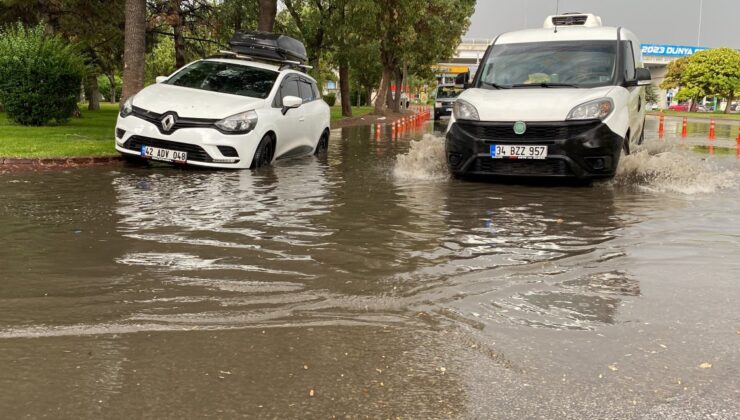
134, 48
714, 72
267, 13
651, 96
674, 70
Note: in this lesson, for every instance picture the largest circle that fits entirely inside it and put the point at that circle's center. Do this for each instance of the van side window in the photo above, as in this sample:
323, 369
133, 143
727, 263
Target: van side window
629, 60
307, 93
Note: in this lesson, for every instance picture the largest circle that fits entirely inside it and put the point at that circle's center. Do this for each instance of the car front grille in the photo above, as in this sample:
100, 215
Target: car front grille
535, 132
195, 153
180, 122
522, 167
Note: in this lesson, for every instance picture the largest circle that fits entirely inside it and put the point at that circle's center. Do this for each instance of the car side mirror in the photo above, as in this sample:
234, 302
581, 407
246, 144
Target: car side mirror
290, 102
161, 79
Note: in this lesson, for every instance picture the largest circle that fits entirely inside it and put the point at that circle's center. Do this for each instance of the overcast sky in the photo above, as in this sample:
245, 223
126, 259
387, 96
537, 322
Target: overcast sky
674, 22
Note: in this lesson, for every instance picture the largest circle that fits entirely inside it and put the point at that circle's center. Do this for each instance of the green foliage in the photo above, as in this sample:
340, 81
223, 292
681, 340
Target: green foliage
714, 72
160, 61
672, 78
330, 99
40, 75
651, 96
104, 86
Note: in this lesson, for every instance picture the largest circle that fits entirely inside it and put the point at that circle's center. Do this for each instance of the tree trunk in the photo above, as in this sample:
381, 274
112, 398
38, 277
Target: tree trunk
112, 94
730, 98
134, 48
382, 91
368, 96
177, 30
267, 12
93, 103
344, 90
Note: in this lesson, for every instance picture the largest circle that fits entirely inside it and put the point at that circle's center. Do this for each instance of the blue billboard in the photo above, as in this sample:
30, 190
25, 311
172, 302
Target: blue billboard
670, 50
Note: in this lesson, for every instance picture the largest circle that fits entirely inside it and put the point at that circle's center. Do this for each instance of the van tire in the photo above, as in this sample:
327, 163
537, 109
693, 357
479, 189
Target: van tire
626, 144
264, 153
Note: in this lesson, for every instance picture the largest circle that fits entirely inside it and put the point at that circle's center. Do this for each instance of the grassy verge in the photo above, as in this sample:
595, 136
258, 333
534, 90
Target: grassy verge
91, 135
703, 115
357, 111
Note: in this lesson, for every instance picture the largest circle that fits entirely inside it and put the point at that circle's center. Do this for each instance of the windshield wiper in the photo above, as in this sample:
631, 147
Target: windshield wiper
494, 85
544, 85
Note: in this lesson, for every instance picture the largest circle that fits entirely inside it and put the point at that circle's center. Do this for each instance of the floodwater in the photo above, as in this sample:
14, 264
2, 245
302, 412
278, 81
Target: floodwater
366, 284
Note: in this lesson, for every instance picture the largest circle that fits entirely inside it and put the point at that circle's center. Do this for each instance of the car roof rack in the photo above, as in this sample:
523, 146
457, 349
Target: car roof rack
284, 64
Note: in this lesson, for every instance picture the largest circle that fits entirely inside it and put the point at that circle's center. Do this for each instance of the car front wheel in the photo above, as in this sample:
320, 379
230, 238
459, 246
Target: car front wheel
323, 144
263, 154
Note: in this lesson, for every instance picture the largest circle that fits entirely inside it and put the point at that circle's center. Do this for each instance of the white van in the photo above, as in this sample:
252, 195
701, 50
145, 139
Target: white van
561, 101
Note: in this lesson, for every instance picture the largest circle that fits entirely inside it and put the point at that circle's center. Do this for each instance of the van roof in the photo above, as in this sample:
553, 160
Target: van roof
564, 33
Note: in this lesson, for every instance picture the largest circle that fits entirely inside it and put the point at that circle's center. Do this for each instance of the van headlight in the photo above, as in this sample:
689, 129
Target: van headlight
241, 123
128, 107
464, 110
593, 110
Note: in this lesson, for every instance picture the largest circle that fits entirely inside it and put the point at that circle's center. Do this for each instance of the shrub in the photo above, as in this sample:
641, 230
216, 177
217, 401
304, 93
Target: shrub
40, 75
330, 99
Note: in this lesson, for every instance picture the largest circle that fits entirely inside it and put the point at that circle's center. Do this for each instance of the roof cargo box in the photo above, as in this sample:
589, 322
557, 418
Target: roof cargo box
268, 46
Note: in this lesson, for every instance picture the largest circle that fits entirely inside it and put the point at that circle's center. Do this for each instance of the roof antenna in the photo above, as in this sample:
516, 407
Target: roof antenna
557, 11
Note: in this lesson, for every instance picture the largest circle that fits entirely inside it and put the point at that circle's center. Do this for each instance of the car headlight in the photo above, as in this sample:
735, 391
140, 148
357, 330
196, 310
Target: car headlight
128, 107
464, 110
593, 110
239, 124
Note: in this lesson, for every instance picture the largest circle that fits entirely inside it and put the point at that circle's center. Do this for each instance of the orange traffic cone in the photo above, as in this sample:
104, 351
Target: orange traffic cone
712, 130
684, 128
661, 126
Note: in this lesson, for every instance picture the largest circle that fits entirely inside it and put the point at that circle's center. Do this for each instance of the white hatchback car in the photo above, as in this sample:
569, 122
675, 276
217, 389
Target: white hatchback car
225, 113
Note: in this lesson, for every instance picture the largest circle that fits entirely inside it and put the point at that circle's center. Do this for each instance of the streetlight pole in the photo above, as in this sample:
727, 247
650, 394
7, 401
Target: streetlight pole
698, 37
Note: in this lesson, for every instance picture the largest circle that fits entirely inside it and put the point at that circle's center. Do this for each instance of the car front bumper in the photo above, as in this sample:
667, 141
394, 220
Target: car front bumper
575, 149
206, 147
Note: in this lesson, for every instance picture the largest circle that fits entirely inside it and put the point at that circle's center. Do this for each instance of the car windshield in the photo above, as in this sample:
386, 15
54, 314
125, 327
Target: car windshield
228, 78
448, 92
550, 64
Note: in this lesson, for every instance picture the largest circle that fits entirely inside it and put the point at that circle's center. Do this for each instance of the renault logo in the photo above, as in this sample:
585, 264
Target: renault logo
520, 127
168, 122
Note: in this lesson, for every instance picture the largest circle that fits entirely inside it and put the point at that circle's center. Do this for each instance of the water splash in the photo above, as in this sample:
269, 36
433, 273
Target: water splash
425, 160
663, 167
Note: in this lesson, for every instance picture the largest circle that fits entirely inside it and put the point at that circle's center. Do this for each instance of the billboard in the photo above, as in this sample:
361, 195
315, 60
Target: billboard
670, 50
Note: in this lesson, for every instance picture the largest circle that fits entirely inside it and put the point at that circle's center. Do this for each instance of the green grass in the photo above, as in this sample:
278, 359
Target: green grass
357, 111
704, 115
91, 135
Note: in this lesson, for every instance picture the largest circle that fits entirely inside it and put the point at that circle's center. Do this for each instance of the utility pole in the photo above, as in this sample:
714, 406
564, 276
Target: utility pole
698, 36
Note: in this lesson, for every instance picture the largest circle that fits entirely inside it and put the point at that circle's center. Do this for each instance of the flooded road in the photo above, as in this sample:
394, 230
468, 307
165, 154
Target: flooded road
368, 284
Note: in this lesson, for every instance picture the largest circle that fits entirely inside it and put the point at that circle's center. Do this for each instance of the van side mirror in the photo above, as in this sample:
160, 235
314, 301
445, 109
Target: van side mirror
642, 78
462, 80
290, 102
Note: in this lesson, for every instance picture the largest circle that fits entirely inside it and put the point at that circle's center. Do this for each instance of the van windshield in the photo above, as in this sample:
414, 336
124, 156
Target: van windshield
448, 92
550, 64
229, 78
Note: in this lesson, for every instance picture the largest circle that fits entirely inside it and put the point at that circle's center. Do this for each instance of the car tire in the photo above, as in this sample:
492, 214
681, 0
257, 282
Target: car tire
323, 145
264, 153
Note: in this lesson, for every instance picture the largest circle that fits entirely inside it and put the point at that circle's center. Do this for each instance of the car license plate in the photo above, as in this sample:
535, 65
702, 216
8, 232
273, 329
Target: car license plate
165, 155
514, 151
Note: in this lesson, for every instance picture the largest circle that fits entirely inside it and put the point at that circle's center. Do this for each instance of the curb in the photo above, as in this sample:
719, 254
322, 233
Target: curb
13, 164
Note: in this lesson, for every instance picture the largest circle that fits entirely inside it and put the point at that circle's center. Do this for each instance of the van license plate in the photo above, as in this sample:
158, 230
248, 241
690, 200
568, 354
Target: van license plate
165, 155
513, 151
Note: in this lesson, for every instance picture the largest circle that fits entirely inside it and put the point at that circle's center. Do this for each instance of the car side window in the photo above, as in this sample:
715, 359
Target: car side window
316, 92
629, 61
289, 87
307, 93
